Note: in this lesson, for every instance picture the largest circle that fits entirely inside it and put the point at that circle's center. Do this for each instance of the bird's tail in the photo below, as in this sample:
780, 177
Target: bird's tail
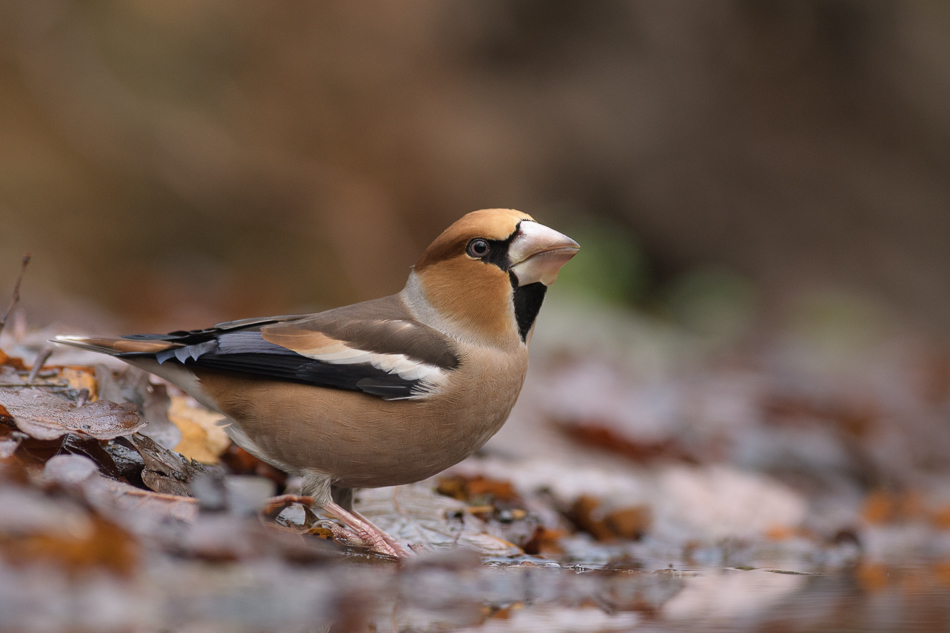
115, 346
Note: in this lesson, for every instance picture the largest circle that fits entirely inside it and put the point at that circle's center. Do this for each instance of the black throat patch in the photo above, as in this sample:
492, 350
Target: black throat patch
527, 300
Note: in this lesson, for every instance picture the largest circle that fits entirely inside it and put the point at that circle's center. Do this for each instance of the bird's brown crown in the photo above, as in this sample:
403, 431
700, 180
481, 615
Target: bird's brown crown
491, 224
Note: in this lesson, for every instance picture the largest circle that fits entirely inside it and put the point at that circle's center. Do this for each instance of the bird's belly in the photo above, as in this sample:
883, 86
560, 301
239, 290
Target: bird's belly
361, 441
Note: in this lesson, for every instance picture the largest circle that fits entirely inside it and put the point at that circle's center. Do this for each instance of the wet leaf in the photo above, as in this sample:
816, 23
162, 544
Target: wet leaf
165, 471
127, 459
428, 520
133, 385
45, 416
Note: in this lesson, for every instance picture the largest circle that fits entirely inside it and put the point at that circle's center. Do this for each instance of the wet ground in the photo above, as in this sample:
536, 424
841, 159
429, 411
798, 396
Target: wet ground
647, 480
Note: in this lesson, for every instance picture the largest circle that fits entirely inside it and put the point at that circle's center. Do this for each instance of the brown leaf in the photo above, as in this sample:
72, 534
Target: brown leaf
545, 541
104, 545
46, 416
165, 471
12, 361
941, 518
882, 507
10, 439
240, 462
476, 488
629, 523
621, 523
79, 378
601, 436
850, 417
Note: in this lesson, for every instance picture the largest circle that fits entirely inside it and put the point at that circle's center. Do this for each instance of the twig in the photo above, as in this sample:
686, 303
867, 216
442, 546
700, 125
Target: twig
41, 359
35, 384
16, 291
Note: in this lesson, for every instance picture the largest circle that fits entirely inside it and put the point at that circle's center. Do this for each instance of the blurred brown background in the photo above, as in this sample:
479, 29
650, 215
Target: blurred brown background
181, 162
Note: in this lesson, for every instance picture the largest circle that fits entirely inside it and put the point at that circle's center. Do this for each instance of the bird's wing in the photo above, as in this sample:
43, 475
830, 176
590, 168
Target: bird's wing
375, 347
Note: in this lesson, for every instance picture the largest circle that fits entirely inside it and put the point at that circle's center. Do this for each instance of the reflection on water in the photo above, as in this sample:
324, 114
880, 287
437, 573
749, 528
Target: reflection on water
866, 597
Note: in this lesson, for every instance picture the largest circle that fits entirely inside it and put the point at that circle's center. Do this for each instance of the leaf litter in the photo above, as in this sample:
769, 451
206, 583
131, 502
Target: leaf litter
603, 505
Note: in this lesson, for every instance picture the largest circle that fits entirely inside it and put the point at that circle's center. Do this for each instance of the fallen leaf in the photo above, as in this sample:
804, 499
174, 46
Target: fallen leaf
941, 517
46, 416
127, 459
102, 544
545, 541
12, 361
153, 504
203, 439
425, 519
133, 385
601, 436
881, 506
10, 439
165, 471
629, 523
852, 418
240, 462
80, 378
476, 488
779, 533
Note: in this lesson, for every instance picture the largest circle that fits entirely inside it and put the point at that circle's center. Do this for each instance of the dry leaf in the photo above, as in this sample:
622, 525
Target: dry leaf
80, 378
202, 437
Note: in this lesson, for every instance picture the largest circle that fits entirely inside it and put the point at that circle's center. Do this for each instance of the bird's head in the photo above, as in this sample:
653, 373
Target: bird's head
488, 272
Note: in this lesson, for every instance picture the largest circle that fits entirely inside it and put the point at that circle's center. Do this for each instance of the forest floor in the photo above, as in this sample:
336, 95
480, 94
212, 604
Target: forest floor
648, 479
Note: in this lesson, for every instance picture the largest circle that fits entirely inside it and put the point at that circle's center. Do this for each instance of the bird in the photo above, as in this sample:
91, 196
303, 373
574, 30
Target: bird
381, 393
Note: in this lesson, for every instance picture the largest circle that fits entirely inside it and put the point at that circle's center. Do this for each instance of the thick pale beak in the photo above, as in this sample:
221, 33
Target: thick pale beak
538, 253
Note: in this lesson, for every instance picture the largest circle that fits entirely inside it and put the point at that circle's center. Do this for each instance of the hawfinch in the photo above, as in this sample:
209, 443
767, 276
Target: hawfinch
380, 393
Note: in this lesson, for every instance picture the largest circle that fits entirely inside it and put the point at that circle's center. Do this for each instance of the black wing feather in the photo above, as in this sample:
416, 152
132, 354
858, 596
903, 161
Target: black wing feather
246, 352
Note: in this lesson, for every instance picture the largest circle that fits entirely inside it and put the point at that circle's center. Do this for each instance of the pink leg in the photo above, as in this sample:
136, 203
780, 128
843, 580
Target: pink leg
275, 505
393, 543
379, 541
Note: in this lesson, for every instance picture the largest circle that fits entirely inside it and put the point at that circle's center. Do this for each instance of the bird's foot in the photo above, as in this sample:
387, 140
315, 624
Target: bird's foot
377, 540
401, 552
374, 538
276, 505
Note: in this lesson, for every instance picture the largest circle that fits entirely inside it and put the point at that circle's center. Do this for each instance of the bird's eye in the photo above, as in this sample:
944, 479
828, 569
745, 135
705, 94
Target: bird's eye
478, 248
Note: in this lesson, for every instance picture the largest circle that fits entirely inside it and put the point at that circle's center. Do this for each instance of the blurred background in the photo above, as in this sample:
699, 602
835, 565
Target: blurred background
746, 365
175, 163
